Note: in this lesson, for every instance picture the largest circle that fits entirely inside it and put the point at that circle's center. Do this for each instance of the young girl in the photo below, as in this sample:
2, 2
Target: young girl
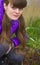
13, 35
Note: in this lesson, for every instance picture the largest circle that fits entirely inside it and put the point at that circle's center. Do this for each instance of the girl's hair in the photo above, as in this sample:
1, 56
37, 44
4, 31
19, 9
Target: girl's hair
6, 23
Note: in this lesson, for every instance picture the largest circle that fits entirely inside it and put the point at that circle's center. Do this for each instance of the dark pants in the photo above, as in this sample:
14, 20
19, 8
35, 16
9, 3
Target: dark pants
11, 56
16, 58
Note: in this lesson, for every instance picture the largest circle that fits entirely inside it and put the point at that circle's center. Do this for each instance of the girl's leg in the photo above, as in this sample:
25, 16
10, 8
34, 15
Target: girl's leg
16, 58
3, 49
2, 63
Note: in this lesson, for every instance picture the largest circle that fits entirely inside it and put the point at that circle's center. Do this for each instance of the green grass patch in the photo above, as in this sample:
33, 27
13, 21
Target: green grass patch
33, 31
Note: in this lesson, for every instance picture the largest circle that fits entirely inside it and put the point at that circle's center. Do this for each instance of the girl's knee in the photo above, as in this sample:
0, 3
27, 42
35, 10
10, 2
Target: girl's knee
19, 58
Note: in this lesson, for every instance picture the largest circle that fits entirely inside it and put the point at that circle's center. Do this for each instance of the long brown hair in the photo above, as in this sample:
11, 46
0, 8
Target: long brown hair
6, 23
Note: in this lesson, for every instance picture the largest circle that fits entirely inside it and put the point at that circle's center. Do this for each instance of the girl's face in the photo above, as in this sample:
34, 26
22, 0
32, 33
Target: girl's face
12, 12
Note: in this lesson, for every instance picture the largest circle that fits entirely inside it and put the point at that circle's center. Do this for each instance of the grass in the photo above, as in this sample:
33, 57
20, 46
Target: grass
33, 42
33, 31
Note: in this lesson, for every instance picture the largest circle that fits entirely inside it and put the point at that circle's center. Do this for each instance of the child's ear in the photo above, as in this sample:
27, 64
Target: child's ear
5, 6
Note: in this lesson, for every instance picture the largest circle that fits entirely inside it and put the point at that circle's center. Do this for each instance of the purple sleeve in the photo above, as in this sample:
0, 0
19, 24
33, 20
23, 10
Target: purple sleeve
1, 14
15, 41
14, 29
1, 9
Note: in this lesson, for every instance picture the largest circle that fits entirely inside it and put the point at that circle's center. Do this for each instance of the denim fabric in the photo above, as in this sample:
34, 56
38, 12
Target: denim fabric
14, 57
3, 49
2, 63
11, 56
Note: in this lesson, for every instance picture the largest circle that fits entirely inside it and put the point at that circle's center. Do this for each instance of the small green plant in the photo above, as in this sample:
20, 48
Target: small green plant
33, 31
